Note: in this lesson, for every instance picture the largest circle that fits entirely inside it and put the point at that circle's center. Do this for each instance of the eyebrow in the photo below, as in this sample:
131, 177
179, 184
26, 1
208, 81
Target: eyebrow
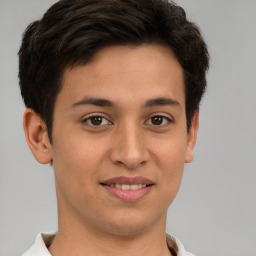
101, 102
94, 101
161, 101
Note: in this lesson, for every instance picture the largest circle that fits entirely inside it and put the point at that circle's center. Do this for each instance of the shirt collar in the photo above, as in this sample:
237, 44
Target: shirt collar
44, 240
177, 246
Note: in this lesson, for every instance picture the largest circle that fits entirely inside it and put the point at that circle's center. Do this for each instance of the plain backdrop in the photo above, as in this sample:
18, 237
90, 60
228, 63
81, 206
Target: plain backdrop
214, 213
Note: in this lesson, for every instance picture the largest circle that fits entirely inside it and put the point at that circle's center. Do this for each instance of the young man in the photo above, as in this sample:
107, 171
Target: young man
112, 90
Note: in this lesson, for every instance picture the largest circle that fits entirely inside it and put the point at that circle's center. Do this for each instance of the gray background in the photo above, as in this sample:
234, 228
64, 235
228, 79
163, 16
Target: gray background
215, 210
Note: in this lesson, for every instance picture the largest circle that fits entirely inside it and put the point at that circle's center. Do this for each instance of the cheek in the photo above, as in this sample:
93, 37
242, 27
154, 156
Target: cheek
76, 163
170, 159
170, 152
78, 150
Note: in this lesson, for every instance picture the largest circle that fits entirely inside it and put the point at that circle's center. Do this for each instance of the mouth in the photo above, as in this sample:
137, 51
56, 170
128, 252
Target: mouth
127, 186
128, 189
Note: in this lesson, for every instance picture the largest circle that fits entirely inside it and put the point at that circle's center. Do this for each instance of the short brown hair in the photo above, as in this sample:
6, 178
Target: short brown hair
72, 31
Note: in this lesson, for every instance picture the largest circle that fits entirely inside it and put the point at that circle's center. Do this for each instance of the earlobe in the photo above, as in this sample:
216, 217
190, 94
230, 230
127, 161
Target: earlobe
37, 136
192, 136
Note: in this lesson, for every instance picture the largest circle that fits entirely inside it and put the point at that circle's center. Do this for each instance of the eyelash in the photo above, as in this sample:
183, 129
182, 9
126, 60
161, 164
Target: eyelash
89, 119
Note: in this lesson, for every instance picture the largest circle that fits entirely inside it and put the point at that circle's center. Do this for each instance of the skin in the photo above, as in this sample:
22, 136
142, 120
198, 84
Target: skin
128, 143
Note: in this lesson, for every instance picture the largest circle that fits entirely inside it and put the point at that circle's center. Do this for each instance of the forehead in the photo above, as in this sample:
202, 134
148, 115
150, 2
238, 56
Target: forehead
126, 72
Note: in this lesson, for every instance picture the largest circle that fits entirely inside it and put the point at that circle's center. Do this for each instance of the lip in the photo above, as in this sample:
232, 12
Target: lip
128, 195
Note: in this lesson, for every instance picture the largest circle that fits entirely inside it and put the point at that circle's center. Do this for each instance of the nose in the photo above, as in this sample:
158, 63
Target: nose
129, 149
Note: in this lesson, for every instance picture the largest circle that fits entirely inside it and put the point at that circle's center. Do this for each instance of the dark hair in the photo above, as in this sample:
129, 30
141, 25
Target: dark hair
72, 31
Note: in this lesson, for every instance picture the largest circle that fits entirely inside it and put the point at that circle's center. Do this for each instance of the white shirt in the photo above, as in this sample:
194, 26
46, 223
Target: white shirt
44, 240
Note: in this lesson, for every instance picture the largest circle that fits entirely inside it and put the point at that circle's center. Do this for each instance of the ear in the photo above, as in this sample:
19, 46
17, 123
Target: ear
192, 135
37, 136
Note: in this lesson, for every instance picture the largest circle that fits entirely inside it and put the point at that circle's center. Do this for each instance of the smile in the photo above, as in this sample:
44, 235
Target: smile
128, 187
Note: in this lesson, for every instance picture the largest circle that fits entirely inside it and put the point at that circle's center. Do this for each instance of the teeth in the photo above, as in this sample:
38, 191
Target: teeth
134, 186
118, 185
125, 187
128, 187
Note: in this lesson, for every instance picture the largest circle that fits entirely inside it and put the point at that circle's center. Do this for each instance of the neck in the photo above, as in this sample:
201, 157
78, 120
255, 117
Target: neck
76, 239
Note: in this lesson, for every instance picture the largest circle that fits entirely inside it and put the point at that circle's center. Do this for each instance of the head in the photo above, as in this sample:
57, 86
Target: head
71, 32
114, 87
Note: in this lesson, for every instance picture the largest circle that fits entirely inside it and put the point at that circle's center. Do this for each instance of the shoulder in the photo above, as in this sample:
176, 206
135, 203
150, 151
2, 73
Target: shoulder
177, 246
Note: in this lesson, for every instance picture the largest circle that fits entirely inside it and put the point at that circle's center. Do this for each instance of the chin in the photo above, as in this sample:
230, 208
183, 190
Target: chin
127, 230
132, 224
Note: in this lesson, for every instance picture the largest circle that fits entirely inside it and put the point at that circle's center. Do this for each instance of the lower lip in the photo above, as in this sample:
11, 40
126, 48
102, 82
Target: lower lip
128, 195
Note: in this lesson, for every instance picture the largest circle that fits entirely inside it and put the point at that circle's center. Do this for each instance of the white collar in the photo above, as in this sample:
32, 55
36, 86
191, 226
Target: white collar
44, 240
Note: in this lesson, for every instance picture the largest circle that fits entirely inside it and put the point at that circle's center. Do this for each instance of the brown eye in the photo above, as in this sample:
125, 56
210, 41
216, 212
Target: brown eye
96, 120
157, 120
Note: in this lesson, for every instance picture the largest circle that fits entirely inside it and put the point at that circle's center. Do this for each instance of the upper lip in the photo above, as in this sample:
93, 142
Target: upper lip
128, 180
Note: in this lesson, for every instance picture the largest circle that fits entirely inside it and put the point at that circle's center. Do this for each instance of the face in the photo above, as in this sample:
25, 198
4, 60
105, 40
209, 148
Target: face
120, 139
